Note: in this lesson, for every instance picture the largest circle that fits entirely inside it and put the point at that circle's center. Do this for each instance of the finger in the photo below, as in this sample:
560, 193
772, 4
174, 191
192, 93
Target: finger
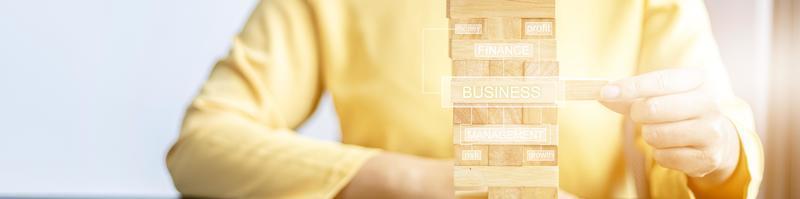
693, 162
670, 108
696, 133
621, 107
652, 84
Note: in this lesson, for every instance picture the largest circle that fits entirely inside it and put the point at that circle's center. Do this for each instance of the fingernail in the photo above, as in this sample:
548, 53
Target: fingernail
610, 92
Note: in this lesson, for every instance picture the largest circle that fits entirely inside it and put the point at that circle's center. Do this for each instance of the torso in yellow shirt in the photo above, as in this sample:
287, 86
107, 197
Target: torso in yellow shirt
382, 62
384, 100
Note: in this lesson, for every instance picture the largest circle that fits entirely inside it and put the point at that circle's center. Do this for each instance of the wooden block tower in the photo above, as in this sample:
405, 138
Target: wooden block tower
505, 91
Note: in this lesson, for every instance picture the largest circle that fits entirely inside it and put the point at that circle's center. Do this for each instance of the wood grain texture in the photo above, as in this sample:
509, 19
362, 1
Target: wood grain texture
489, 176
525, 50
461, 68
512, 115
505, 192
494, 90
539, 155
506, 155
539, 192
523, 155
497, 68
464, 151
498, 144
460, 29
583, 89
513, 68
523, 192
501, 8
462, 116
538, 28
540, 116
487, 115
536, 69
464, 68
543, 134
487, 68
503, 28
550, 116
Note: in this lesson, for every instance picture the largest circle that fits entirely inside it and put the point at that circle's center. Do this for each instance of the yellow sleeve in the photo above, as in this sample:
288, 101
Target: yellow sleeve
237, 139
677, 33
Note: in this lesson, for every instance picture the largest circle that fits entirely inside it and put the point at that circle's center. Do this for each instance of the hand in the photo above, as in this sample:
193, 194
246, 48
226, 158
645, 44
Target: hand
390, 175
565, 195
680, 118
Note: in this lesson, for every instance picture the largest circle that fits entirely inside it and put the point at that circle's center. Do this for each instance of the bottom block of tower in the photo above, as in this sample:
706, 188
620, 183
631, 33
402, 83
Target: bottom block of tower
523, 192
495, 176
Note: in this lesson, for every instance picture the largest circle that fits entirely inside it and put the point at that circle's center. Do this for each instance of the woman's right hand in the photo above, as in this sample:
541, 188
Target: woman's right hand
390, 175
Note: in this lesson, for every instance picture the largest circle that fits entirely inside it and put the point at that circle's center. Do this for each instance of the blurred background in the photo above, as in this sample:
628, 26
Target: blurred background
92, 92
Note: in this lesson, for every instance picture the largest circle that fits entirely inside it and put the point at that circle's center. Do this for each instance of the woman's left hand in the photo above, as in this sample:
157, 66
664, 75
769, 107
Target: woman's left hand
681, 120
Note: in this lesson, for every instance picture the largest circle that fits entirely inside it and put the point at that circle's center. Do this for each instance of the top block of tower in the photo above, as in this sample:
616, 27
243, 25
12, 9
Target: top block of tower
501, 8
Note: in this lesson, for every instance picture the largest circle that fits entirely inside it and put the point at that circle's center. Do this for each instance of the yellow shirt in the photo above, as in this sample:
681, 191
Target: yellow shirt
238, 138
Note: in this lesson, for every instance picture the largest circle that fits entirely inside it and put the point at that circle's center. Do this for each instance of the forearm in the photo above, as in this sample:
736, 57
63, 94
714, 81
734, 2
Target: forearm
390, 175
225, 155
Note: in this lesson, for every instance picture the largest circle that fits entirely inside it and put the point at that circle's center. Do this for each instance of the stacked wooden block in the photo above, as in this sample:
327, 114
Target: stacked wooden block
505, 89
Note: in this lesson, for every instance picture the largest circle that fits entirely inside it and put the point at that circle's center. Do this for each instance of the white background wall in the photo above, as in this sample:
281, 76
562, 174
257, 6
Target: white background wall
92, 91
743, 29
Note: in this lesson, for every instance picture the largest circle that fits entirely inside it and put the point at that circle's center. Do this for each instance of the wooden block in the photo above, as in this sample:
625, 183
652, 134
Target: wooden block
490, 176
471, 155
540, 116
523, 192
543, 68
550, 116
506, 68
496, 68
461, 68
487, 115
462, 116
490, 28
495, 116
504, 28
532, 115
468, 28
512, 68
501, 8
526, 50
506, 155
471, 192
505, 90
539, 192
583, 89
544, 134
466, 68
512, 115
526, 90
505, 192
480, 116
539, 155
538, 28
